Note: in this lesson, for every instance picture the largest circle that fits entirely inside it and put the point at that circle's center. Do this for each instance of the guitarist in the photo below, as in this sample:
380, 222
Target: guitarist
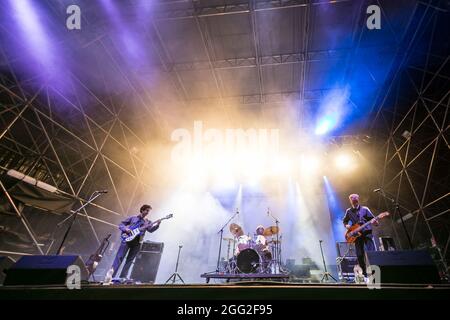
132, 247
360, 214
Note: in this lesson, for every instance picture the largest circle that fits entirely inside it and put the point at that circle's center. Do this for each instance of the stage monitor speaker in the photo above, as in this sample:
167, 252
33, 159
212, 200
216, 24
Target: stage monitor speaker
146, 264
5, 264
409, 266
42, 270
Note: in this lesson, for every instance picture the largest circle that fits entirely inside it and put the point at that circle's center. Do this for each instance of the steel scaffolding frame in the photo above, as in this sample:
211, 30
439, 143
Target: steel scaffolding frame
38, 140
415, 153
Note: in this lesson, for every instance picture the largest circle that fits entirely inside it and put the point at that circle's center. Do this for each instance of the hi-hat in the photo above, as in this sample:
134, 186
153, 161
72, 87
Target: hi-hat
229, 239
236, 230
271, 231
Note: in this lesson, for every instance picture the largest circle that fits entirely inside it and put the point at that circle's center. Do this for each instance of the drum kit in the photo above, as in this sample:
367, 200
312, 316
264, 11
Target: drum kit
257, 254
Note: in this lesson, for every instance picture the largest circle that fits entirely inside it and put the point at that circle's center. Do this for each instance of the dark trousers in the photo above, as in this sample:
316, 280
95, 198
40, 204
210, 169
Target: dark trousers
132, 248
365, 242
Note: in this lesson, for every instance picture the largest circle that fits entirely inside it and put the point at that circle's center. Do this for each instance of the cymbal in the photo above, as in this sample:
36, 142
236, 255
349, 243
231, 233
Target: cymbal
236, 230
229, 239
271, 231
274, 241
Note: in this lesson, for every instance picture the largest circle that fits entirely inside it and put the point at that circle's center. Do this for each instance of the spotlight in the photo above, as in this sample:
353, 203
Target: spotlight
344, 162
324, 126
309, 164
406, 134
281, 166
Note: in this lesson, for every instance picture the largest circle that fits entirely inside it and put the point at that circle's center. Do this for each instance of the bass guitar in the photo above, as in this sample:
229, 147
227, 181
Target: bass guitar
355, 230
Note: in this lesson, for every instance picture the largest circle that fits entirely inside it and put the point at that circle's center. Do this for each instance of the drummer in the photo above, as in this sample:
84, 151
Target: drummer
261, 245
260, 239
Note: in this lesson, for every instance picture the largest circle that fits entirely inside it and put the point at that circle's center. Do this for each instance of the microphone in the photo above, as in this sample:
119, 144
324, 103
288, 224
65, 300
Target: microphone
237, 210
268, 213
377, 190
102, 191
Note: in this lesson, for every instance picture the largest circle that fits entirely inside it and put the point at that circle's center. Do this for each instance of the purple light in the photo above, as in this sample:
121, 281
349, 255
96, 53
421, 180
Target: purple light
27, 18
126, 37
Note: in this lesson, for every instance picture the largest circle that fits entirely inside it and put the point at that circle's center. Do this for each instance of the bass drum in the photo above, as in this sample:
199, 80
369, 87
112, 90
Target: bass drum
248, 261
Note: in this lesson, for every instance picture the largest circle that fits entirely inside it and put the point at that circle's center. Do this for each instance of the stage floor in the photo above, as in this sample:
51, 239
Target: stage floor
252, 290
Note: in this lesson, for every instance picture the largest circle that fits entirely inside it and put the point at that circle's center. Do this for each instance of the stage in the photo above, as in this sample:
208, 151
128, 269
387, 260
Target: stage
251, 290
254, 150
242, 276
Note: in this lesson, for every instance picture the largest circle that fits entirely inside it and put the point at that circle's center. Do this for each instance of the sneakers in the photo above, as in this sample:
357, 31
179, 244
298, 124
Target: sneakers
108, 277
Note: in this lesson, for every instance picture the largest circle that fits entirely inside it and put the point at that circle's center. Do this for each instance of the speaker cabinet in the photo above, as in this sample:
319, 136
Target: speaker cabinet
42, 270
5, 264
409, 266
146, 264
345, 249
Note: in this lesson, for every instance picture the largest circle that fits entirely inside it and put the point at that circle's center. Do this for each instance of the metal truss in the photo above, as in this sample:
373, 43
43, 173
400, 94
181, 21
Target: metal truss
199, 10
70, 149
277, 59
415, 154
266, 98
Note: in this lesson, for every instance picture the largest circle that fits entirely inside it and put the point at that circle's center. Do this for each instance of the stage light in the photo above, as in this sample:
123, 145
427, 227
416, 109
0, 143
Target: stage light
309, 164
345, 162
281, 166
29, 21
324, 126
333, 109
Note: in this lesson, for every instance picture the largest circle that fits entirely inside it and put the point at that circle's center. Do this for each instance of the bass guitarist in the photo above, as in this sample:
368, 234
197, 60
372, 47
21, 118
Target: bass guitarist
358, 214
132, 247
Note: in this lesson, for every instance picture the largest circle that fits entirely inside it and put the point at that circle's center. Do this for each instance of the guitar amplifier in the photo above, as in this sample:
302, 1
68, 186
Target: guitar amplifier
345, 249
151, 246
146, 264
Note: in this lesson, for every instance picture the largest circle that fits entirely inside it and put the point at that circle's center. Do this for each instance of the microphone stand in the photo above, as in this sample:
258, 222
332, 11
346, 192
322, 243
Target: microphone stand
277, 246
397, 209
326, 274
221, 237
93, 196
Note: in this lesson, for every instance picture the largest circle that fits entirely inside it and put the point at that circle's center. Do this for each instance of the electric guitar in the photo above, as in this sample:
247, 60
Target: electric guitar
127, 237
355, 230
